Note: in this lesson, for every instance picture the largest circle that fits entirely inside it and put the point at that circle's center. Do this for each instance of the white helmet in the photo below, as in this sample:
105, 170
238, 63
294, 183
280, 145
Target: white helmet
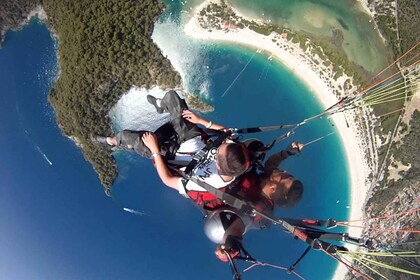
217, 222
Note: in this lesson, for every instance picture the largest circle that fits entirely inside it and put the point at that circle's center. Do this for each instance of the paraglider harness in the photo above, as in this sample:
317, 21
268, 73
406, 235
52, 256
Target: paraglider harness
207, 200
212, 138
256, 150
305, 230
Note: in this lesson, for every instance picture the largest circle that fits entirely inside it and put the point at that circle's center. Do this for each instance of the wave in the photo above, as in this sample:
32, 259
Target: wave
189, 58
133, 112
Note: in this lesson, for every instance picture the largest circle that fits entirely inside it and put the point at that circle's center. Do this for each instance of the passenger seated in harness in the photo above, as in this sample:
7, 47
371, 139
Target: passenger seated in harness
181, 141
263, 191
218, 165
180, 137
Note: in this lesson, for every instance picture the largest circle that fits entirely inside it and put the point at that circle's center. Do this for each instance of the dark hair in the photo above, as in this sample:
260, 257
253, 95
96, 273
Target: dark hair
289, 197
234, 162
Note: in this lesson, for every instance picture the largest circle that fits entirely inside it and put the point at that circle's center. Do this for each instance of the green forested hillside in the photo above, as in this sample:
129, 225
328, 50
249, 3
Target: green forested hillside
104, 47
13, 12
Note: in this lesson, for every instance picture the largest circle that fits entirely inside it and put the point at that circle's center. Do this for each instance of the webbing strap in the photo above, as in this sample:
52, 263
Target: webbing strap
293, 266
225, 197
300, 233
200, 155
235, 272
181, 163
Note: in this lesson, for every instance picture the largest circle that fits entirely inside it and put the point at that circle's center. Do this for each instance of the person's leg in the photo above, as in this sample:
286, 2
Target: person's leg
174, 105
131, 141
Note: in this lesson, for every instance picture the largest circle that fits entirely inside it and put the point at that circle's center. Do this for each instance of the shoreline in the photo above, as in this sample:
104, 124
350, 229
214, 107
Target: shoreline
370, 10
37, 11
366, 7
319, 79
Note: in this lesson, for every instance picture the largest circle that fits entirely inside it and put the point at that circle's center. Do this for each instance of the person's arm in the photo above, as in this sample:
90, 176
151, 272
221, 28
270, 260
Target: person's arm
274, 161
150, 140
193, 118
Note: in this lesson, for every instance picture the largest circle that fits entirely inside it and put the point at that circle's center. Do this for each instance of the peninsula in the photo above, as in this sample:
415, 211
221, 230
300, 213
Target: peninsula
104, 48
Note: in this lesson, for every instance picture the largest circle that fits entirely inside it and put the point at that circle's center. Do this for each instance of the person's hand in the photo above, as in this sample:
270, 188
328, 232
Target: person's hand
295, 147
221, 251
220, 254
150, 140
191, 117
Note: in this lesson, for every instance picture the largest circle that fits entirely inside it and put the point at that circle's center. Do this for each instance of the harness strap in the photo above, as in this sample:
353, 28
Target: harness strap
235, 272
200, 155
293, 266
224, 196
329, 223
178, 162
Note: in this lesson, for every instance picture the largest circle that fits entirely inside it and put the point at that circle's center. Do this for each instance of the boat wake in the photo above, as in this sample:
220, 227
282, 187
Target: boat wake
135, 212
37, 147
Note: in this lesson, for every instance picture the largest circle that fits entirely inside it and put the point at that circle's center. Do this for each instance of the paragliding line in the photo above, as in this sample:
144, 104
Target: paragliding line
351, 268
393, 63
240, 73
316, 140
256, 263
235, 272
405, 260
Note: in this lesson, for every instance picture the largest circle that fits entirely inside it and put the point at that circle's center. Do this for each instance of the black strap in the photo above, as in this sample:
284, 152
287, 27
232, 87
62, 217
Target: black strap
293, 266
197, 158
179, 163
329, 223
225, 197
235, 273
201, 155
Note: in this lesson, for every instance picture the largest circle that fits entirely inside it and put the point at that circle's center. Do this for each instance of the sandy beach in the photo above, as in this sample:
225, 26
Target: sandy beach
319, 79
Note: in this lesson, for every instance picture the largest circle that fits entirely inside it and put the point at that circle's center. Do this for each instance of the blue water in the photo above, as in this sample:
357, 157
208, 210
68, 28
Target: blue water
56, 222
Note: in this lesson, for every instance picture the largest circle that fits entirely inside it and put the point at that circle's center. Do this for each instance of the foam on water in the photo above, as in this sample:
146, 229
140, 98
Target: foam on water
189, 58
133, 112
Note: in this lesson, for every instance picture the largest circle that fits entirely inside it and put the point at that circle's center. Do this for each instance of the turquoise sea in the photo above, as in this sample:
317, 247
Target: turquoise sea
56, 222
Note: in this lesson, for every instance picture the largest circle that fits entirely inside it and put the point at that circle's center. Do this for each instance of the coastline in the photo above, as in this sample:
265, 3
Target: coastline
370, 10
37, 11
319, 79
366, 7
